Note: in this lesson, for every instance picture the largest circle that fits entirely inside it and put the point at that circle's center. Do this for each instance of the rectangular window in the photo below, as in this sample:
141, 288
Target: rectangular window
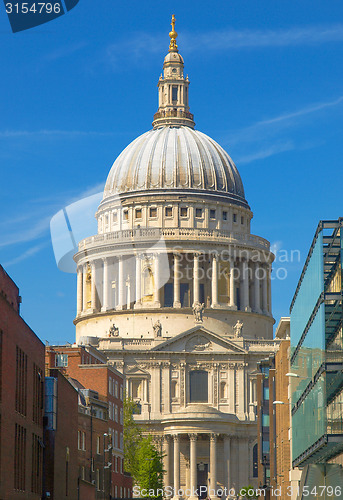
266, 393
36, 464
153, 212
234, 217
19, 457
21, 381
169, 211
121, 393
98, 445
183, 211
212, 214
98, 479
116, 389
198, 390
37, 396
126, 215
265, 420
224, 215
115, 217
174, 93
198, 212
61, 360
110, 385
242, 219
138, 213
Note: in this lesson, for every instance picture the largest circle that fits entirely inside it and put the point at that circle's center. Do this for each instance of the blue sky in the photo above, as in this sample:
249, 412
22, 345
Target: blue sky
266, 83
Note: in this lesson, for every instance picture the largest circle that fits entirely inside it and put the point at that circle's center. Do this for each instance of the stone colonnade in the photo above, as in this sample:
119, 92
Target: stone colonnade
252, 278
235, 475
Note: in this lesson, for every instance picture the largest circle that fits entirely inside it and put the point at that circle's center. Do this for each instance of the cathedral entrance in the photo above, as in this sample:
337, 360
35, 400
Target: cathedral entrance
202, 479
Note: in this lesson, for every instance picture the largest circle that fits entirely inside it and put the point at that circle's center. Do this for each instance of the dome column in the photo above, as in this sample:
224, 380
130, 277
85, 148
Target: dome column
257, 290
232, 302
214, 281
105, 296
245, 286
120, 284
157, 302
264, 289
196, 284
138, 302
79, 290
93, 288
177, 301
84, 289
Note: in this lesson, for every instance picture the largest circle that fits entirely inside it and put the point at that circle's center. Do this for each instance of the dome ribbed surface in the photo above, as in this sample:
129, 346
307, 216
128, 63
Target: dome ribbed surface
172, 158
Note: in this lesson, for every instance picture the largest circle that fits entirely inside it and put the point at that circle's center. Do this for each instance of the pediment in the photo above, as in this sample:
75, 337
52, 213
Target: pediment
137, 371
199, 339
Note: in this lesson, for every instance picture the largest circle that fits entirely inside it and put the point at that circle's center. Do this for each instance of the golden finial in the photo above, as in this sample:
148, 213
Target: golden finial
173, 36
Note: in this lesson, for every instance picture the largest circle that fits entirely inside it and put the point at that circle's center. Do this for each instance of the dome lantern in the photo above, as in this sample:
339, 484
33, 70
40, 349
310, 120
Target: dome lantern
173, 107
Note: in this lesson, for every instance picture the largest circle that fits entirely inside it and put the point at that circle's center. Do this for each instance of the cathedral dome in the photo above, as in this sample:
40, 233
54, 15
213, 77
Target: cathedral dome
175, 158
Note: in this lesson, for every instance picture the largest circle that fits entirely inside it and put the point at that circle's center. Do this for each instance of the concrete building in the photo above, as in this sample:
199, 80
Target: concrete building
317, 365
176, 292
21, 399
100, 417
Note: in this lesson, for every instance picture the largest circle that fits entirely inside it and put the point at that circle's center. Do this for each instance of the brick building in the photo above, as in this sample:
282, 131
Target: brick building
60, 438
100, 417
275, 472
21, 399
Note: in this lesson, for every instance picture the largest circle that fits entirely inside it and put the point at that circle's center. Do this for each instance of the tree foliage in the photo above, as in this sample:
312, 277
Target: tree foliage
141, 457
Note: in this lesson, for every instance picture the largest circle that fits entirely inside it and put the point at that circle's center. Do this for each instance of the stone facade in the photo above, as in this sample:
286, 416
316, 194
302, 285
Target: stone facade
176, 291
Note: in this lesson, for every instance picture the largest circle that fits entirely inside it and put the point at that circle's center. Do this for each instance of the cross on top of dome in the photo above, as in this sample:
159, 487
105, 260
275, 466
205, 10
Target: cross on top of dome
173, 36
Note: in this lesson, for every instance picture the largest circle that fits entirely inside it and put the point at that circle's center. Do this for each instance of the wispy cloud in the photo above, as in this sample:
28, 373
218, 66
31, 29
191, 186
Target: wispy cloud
35, 222
7, 134
141, 45
30, 252
265, 152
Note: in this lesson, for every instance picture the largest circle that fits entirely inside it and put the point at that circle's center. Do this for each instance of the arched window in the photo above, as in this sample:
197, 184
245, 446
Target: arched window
198, 386
174, 389
223, 390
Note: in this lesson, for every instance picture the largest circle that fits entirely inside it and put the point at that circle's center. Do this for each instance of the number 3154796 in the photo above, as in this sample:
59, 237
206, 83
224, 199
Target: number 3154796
35, 8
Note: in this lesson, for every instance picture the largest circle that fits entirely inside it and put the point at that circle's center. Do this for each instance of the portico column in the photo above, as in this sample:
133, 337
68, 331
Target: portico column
84, 288
257, 294
177, 301
166, 460
157, 281
214, 281
176, 438
138, 301
93, 288
196, 288
232, 284
213, 464
120, 284
105, 304
264, 290
79, 290
193, 465
227, 461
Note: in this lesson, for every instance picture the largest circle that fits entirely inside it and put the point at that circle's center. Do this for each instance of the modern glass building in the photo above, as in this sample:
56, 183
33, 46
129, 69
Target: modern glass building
317, 357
